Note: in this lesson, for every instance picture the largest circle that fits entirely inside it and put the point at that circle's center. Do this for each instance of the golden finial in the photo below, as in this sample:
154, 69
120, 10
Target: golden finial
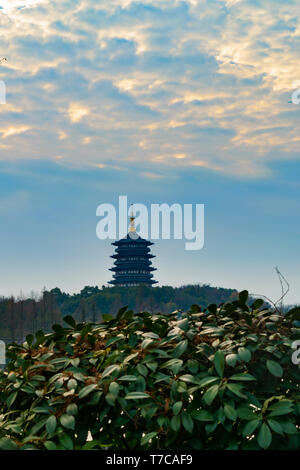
132, 219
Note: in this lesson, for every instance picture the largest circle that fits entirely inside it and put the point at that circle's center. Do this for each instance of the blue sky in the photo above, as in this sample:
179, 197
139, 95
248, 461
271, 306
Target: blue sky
163, 101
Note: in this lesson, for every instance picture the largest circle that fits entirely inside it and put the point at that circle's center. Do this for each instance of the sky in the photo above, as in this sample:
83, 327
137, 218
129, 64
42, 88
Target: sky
164, 101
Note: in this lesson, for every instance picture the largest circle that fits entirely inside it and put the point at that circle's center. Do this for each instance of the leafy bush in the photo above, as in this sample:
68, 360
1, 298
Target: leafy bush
218, 379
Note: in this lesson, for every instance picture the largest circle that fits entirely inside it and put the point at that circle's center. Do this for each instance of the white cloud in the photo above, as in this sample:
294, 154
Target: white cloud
77, 112
12, 130
8, 5
144, 81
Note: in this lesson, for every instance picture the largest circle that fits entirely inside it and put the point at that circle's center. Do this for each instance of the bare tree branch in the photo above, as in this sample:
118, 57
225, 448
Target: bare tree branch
282, 280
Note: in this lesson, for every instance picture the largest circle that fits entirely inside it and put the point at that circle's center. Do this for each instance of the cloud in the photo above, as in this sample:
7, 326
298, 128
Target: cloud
143, 81
77, 112
7, 5
9, 131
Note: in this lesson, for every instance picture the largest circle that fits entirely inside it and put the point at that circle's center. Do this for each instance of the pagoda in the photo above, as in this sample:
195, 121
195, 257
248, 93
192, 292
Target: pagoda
132, 266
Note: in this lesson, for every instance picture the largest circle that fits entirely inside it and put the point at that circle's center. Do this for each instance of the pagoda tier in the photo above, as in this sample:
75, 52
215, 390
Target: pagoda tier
132, 266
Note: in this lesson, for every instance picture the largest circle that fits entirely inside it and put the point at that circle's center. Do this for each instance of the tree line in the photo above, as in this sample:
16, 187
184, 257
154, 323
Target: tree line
20, 317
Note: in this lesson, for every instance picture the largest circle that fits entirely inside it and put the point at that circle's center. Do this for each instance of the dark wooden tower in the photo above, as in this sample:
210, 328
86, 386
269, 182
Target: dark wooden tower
132, 257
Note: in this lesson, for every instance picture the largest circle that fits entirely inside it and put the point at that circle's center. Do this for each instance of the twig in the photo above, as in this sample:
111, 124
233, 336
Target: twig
267, 298
283, 293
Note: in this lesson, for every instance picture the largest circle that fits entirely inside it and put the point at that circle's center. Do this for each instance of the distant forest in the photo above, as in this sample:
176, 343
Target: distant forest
20, 317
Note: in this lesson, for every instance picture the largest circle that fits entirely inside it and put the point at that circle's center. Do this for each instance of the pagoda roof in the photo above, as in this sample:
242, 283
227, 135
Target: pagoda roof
132, 239
145, 255
133, 267
130, 281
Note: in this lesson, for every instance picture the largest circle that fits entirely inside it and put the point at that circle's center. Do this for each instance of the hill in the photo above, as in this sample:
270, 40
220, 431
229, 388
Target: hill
22, 316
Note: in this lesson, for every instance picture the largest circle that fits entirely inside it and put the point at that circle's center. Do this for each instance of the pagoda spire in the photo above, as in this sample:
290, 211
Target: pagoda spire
132, 221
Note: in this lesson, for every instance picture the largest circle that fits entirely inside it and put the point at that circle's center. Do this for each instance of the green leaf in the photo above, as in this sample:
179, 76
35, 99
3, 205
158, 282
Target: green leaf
243, 377
86, 390
207, 381
106, 317
91, 444
109, 370
193, 366
29, 339
161, 420
162, 377
59, 330
152, 365
114, 388
183, 324
66, 441
294, 314
212, 309
150, 334
11, 398
187, 422
202, 415
246, 413
180, 348
188, 378
275, 426
257, 304
42, 409
264, 437
70, 321
142, 370
243, 296
121, 312
136, 396
72, 384
72, 409
174, 364
147, 342
244, 354
145, 439
175, 423
51, 424
282, 407
196, 308
128, 378
230, 412
7, 444
28, 447
210, 427
50, 445
177, 407
37, 426
231, 359
68, 421
211, 394
110, 399
250, 427
219, 362
75, 362
289, 428
281, 411
113, 340
274, 368
236, 389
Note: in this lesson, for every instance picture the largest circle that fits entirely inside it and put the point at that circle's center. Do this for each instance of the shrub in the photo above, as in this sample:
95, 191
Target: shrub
218, 379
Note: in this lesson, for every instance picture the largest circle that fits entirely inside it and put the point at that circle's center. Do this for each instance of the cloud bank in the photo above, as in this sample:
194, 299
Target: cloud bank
154, 87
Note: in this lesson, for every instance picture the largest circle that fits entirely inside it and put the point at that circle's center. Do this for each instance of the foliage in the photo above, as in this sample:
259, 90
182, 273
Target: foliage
163, 299
221, 378
24, 316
